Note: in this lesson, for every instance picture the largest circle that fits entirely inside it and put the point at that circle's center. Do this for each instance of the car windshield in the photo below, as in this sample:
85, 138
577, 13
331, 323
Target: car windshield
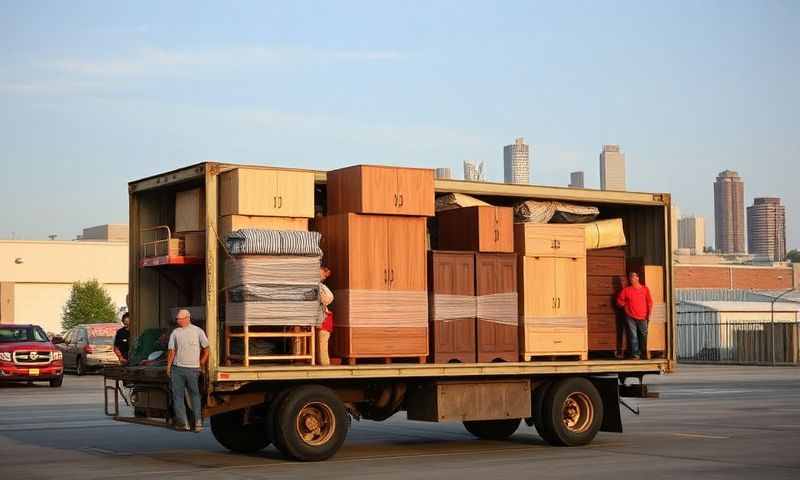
96, 340
22, 334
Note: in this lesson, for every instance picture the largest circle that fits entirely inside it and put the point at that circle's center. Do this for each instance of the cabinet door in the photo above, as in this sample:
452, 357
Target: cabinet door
486, 226
379, 190
504, 224
245, 191
570, 280
368, 254
415, 190
538, 286
295, 194
407, 253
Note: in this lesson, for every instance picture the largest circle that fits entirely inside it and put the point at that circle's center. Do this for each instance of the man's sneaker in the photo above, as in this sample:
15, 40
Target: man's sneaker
635, 357
182, 428
198, 426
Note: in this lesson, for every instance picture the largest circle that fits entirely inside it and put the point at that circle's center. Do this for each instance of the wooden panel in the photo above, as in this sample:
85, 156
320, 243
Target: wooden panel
496, 273
379, 190
460, 401
190, 210
537, 286
603, 341
249, 192
407, 252
607, 266
570, 278
334, 244
377, 342
415, 187
231, 223
551, 341
368, 254
601, 304
6, 302
296, 194
616, 252
656, 329
452, 273
605, 285
650, 275
533, 239
194, 243
602, 322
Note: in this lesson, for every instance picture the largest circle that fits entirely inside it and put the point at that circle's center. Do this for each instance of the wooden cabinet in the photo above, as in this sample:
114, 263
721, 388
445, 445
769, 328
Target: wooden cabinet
381, 190
372, 256
606, 277
267, 192
553, 300
231, 223
480, 228
451, 276
551, 240
496, 287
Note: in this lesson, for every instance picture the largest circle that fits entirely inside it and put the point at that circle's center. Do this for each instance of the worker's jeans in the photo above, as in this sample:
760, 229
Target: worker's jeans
322, 351
637, 335
184, 379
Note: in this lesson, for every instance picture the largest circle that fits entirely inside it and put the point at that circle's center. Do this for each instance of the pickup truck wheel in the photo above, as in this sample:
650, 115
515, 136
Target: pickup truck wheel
56, 382
80, 367
230, 431
311, 423
572, 412
492, 429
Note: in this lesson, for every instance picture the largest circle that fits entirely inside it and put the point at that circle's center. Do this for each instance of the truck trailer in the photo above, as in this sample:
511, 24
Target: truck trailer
305, 410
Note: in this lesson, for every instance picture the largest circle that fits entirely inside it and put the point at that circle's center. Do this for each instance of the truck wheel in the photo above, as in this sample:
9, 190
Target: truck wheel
80, 367
572, 412
231, 432
310, 423
273, 410
492, 429
56, 382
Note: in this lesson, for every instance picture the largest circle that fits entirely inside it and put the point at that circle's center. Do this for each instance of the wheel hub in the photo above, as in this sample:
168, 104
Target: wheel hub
315, 423
577, 412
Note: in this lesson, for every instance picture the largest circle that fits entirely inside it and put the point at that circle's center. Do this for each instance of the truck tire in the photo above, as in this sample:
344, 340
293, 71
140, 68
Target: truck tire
538, 405
229, 430
311, 423
272, 421
492, 429
572, 412
56, 382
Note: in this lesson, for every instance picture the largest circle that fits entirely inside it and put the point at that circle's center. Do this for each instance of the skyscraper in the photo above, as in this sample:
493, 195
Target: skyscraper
516, 162
471, 173
692, 233
576, 180
766, 228
612, 168
444, 173
729, 213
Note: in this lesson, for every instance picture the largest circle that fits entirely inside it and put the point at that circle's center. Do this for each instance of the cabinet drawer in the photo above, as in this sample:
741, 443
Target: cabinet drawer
542, 339
603, 341
604, 285
551, 240
608, 266
600, 304
602, 323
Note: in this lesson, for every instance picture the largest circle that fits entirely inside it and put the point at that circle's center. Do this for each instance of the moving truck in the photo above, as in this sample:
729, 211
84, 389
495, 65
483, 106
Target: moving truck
306, 410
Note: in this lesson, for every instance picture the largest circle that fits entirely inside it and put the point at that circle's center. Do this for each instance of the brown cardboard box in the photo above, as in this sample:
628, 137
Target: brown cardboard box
163, 248
190, 210
194, 243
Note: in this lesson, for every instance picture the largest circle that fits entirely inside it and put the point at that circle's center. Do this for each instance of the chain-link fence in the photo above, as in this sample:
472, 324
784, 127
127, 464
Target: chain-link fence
737, 338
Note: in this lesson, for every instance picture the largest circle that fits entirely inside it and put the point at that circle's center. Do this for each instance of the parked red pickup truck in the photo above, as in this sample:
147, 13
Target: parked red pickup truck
27, 355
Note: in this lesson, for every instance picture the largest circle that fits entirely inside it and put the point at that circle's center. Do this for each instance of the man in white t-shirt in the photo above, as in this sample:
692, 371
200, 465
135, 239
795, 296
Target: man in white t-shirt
188, 352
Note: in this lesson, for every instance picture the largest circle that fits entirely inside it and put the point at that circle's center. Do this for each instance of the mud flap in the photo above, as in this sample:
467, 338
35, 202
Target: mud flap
609, 392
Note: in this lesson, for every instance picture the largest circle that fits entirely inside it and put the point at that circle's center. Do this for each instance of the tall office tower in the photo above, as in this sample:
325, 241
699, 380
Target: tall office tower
729, 213
612, 168
692, 233
576, 180
444, 173
673, 228
766, 228
516, 162
471, 173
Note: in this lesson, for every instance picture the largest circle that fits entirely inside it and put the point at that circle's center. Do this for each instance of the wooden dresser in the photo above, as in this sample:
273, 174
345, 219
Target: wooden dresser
605, 269
451, 280
479, 228
381, 190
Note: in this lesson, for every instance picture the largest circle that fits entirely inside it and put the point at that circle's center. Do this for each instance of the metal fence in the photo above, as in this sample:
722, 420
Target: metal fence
703, 338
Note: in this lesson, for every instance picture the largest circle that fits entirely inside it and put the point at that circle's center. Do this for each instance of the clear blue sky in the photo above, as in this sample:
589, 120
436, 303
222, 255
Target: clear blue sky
94, 94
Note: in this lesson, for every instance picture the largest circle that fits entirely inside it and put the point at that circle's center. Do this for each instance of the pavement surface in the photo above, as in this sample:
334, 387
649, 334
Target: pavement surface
711, 422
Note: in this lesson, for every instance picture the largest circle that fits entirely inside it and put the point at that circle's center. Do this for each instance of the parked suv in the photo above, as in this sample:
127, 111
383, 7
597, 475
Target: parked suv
26, 354
89, 347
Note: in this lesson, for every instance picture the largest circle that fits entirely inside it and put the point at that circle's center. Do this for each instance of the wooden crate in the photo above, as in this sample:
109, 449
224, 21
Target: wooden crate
551, 240
480, 228
381, 190
301, 338
231, 223
267, 192
376, 255
452, 339
496, 273
190, 210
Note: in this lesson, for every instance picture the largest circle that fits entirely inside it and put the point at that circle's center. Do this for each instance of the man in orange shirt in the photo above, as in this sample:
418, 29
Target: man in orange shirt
638, 304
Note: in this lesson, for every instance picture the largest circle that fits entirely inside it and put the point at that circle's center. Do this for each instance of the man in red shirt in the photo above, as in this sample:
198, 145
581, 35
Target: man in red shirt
637, 302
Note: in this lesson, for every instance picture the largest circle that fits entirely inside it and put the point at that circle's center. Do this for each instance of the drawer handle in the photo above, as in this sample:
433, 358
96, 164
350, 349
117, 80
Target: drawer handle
401, 200
557, 341
391, 275
395, 199
497, 235
280, 202
385, 276
274, 202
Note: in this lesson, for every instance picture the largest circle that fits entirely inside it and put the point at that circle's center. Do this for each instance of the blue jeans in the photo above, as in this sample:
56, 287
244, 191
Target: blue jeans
184, 379
637, 335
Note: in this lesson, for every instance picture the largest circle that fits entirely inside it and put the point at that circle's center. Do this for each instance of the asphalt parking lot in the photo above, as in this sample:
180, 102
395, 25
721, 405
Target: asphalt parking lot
710, 422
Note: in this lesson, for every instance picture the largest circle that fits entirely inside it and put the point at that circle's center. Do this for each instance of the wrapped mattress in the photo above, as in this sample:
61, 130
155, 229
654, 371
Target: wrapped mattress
273, 242
533, 211
605, 234
451, 201
266, 270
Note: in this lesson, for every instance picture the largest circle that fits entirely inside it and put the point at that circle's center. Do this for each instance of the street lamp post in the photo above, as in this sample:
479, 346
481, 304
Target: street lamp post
772, 321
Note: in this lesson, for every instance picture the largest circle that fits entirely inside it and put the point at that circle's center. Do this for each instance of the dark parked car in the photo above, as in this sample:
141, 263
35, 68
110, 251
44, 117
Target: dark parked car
26, 354
89, 347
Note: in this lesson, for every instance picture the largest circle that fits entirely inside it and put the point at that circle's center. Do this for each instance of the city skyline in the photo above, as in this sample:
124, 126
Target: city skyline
729, 223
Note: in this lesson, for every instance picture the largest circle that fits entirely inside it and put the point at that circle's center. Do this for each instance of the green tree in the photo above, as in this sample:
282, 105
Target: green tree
793, 255
88, 303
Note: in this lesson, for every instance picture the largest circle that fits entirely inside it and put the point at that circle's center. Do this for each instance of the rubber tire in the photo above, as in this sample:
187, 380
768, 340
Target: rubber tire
272, 421
80, 367
552, 428
56, 382
228, 430
538, 405
493, 429
286, 437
